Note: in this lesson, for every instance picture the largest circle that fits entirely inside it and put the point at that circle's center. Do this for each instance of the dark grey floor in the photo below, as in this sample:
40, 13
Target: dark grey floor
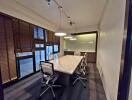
30, 88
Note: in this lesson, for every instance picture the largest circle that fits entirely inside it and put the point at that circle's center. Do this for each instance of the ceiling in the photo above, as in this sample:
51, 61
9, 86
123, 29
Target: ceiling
85, 13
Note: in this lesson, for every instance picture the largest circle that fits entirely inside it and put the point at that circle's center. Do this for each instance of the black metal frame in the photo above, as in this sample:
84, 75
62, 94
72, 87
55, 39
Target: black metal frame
125, 70
1, 87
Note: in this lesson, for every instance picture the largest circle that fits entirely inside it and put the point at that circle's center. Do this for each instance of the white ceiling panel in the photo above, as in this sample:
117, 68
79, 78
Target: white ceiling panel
83, 12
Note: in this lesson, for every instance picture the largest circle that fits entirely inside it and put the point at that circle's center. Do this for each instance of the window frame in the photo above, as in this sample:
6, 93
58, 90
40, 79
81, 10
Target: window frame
37, 30
18, 65
46, 51
58, 48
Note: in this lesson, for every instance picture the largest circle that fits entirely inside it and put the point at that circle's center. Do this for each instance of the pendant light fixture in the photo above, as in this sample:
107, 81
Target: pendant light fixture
60, 31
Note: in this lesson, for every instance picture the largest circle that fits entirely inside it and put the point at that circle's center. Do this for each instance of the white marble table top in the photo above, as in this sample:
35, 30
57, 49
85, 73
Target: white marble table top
66, 64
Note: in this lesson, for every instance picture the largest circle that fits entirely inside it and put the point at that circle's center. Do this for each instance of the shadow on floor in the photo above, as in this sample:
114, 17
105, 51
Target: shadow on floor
30, 88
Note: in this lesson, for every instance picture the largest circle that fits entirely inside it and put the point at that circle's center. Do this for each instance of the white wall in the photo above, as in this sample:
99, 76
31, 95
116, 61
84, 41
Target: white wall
110, 46
130, 91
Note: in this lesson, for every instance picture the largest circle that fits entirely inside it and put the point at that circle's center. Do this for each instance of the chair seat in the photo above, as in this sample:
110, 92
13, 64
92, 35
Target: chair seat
51, 79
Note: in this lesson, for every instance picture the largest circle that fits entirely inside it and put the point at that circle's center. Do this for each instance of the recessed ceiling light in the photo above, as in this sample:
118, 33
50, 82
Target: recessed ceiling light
68, 37
60, 34
73, 39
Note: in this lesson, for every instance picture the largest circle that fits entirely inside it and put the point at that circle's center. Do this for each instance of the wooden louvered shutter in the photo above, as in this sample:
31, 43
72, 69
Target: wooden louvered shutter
17, 46
3, 53
56, 39
26, 37
10, 49
49, 37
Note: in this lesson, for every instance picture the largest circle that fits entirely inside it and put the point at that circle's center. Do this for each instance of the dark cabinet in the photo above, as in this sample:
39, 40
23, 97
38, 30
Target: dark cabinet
7, 55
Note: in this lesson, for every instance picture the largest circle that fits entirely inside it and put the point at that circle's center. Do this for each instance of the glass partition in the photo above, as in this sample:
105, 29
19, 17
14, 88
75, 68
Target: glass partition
83, 43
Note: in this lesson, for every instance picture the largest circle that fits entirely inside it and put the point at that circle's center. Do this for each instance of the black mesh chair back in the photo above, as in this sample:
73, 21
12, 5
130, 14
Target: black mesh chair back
47, 68
48, 77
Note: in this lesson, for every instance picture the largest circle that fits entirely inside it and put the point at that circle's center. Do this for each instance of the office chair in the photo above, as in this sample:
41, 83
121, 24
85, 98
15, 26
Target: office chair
48, 77
80, 74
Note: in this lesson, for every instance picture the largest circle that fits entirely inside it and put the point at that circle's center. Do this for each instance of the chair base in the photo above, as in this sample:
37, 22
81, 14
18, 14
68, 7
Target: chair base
81, 79
51, 88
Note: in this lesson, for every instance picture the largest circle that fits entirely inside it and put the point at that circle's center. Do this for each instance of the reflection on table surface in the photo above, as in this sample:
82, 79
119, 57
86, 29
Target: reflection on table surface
66, 64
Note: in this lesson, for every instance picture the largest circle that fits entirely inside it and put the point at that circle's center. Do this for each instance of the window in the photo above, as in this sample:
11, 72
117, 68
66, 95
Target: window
39, 56
39, 33
49, 52
26, 67
24, 63
56, 48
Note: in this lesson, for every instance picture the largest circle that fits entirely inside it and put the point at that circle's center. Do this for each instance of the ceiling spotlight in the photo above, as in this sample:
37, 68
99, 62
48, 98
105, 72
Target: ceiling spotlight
49, 1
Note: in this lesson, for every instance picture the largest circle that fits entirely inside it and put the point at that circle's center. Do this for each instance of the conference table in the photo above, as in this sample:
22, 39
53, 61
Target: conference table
66, 65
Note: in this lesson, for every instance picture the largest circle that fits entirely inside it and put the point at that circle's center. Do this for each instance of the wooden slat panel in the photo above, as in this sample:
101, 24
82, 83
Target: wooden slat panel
10, 46
26, 37
16, 33
32, 40
3, 53
49, 37
56, 39
1, 88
